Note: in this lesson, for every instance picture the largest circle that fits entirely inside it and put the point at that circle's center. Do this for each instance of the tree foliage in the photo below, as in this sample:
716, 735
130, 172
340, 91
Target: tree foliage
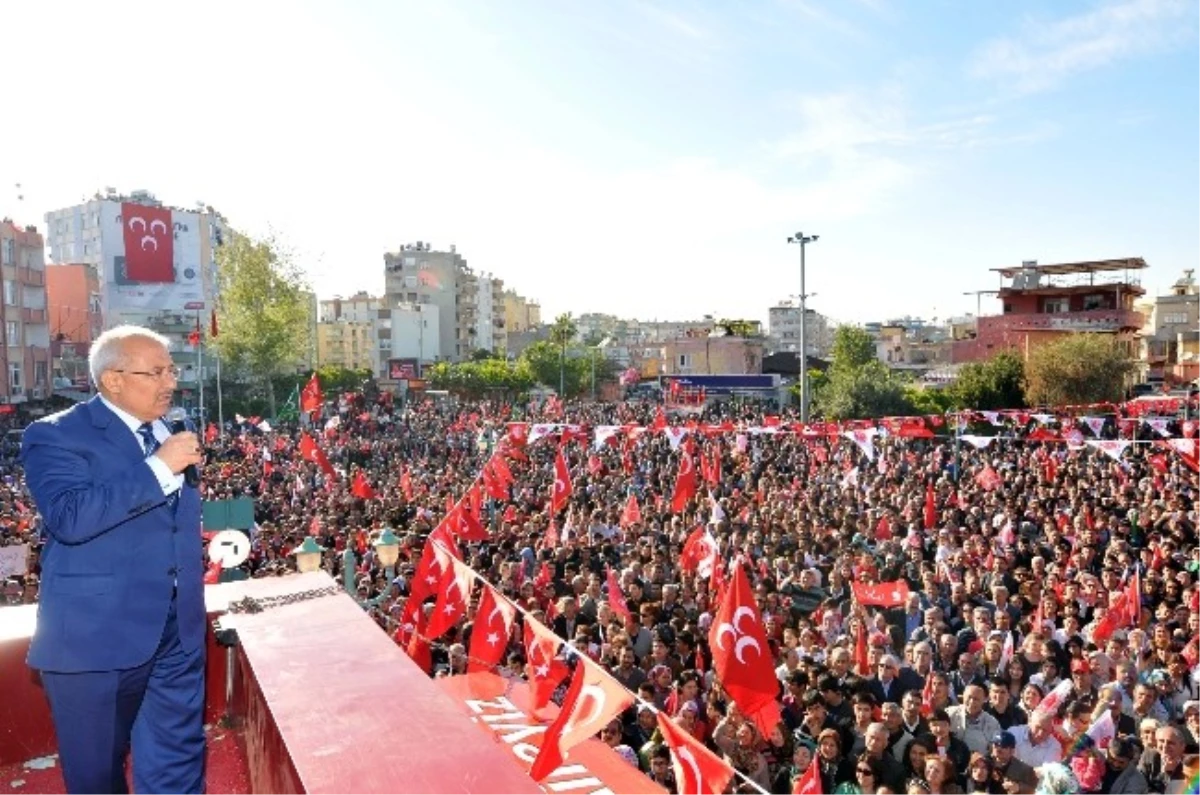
853, 348
480, 378
1076, 368
263, 313
998, 383
564, 330
861, 392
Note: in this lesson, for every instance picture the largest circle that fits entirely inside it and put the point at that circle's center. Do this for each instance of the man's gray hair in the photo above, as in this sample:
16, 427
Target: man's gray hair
107, 351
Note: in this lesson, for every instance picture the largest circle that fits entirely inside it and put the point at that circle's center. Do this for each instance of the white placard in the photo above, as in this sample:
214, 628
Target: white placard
14, 560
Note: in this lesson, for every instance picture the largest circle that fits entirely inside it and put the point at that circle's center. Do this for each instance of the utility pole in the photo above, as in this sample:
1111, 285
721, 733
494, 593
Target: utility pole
803, 241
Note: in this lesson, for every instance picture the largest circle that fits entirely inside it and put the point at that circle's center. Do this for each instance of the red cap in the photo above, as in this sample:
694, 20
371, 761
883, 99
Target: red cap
1080, 667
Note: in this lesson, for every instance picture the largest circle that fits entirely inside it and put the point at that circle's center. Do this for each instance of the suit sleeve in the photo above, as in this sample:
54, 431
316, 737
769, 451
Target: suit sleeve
75, 506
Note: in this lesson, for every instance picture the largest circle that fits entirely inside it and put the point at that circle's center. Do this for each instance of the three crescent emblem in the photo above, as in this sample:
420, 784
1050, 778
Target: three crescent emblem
741, 641
588, 708
149, 241
158, 222
135, 220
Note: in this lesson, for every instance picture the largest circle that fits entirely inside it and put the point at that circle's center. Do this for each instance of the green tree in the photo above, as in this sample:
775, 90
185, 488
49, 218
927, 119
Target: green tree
998, 383
562, 333
928, 400
738, 328
480, 378
264, 312
867, 391
1076, 368
852, 348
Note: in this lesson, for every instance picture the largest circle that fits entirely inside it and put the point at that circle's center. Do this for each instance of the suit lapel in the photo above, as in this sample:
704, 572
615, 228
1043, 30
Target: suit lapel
115, 431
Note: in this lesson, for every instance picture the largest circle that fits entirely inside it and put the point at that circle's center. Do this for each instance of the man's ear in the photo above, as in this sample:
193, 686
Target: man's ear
110, 382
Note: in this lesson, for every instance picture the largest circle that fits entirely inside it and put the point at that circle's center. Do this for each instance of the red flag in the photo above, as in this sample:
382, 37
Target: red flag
500, 467
491, 631
361, 488
194, 337
987, 479
418, 645
212, 329
685, 482
406, 486
616, 599
810, 782
429, 572
927, 694
741, 657
212, 574
544, 577
862, 660
310, 452
593, 699
632, 513
698, 771
699, 552
311, 397
210, 433
545, 668
492, 483
883, 594
562, 483
1133, 599
474, 503
149, 237
594, 465
454, 593
930, 507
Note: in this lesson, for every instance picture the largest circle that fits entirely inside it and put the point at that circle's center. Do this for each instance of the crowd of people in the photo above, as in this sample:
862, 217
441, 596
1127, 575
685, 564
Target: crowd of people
960, 688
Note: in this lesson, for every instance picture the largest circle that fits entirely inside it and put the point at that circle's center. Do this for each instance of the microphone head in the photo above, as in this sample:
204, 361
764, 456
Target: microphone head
177, 414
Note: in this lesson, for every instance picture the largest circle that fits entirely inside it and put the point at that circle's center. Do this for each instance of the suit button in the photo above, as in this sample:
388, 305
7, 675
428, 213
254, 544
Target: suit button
172, 571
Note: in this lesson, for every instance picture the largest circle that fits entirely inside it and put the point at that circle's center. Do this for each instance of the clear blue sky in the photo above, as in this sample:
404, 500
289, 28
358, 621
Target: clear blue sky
640, 158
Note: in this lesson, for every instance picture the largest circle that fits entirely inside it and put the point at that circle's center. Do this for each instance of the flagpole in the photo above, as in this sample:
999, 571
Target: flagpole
200, 366
220, 406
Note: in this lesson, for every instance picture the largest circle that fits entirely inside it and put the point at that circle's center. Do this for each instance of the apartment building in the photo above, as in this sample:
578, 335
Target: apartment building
23, 317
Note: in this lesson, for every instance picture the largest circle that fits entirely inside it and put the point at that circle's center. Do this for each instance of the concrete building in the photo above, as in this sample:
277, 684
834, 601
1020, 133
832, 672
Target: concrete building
416, 274
23, 316
490, 328
1170, 345
712, 356
346, 344
520, 314
783, 330
358, 308
91, 233
413, 334
1040, 303
73, 300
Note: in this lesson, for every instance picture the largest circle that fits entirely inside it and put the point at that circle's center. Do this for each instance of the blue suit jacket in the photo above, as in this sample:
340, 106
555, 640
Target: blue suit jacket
114, 547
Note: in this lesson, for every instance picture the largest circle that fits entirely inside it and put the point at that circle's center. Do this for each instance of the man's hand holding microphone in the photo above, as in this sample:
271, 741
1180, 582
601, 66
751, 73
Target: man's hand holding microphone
181, 451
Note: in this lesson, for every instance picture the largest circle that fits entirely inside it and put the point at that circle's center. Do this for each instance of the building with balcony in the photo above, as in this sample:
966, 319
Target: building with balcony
345, 344
358, 308
1040, 303
416, 274
783, 330
1171, 335
520, 314
25, 351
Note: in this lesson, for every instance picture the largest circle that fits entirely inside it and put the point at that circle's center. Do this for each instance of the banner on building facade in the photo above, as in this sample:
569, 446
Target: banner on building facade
151, 256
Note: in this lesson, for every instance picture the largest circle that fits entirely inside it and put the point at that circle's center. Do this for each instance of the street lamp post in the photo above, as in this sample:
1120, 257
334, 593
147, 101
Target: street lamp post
803, 241
387, 551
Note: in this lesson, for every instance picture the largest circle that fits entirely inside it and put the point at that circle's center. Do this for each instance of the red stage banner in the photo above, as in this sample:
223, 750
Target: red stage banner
503, 708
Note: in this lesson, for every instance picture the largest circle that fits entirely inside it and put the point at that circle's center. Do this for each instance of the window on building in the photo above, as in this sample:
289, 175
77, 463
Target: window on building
12, 333
10, 292
39, 373
1093, 302
1055, 306
14, 378
685, 361
1174, 318
7, 249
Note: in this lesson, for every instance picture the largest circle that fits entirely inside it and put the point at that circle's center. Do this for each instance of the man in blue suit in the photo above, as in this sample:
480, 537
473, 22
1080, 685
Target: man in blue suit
121, 620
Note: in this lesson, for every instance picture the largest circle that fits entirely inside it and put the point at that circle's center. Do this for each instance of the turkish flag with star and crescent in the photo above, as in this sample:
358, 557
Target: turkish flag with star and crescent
545, 668
685, 482
491, 631
428, 574
810, 782
454, 593
699, 552
741, 657
881, 594
561, 491
698, 771
149, 237
593, 699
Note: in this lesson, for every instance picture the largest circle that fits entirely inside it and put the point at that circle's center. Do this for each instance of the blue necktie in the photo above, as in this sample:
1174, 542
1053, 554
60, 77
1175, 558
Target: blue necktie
149, 440
150, 443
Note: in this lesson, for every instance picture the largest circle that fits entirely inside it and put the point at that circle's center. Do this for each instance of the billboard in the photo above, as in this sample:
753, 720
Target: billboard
403, 369
151, 257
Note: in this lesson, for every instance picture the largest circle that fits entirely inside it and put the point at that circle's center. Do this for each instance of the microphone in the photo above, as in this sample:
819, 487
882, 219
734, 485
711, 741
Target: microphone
178, 422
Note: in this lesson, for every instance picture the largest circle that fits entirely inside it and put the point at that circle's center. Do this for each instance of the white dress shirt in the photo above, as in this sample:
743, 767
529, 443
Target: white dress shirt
168, 481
